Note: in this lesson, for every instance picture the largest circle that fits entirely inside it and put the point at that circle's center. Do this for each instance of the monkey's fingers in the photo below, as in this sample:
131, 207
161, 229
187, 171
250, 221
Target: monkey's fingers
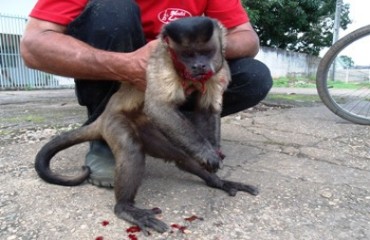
220, 154
153, 223
233, 187
143, 218
156, 210
209, 168
214, 162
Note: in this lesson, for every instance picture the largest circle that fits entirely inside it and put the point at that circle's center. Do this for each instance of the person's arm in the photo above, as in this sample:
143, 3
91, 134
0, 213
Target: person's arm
46, 47
242, 41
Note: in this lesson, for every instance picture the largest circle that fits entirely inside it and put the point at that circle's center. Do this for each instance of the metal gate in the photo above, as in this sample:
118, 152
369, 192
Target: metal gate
13, 72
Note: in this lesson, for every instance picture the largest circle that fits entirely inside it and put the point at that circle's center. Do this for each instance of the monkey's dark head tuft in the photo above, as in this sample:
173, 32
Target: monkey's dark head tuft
195, 45
190, 30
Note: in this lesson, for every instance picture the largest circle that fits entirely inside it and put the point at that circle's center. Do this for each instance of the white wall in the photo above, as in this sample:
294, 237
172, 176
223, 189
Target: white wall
283, 63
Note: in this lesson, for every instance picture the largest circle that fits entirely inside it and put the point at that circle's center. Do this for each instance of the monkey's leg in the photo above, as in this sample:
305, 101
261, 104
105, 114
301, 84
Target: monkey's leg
212, 180
157, 145
130, 167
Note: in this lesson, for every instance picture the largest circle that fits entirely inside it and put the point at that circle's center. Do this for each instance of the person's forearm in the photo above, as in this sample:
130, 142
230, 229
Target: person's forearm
46, 47
63, 55
241, 46
242, 41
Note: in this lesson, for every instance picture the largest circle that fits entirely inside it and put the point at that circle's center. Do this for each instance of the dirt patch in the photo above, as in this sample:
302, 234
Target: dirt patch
28, 117
35, 121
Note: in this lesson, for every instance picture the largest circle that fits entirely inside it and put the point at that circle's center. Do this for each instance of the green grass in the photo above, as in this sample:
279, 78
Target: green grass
294, 97
310, 82
295, 82
24, 118
344, 85
4, 132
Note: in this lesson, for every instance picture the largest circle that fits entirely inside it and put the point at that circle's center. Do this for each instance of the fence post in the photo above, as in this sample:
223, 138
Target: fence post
13, 72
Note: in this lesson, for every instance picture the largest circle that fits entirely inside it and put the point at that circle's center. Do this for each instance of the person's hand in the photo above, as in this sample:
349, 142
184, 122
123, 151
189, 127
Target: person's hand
138, 64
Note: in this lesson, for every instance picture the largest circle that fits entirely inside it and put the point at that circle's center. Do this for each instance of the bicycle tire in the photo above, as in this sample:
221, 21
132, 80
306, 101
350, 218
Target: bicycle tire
322, 76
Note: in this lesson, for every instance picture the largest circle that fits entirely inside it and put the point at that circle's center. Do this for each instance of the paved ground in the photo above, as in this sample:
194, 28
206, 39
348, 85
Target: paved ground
312, 168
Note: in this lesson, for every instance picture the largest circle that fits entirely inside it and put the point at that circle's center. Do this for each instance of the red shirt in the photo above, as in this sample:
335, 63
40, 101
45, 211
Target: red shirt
153, 13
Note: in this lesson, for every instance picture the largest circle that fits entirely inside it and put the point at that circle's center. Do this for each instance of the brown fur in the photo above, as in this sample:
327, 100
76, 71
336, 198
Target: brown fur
134, 124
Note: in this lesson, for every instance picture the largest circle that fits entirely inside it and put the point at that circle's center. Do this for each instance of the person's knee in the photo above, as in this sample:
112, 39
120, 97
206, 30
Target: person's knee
250, 83
250, 77
263, 78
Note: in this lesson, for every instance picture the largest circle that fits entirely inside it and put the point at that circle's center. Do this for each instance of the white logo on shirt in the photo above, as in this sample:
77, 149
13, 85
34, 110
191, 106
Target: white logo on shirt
171, 14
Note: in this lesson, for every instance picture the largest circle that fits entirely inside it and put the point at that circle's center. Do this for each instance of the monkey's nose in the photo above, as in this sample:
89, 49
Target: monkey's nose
198, 67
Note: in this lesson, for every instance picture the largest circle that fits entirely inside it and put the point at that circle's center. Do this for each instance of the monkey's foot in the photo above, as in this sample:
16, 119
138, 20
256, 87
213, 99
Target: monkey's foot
101, 162
143, 218
233, 187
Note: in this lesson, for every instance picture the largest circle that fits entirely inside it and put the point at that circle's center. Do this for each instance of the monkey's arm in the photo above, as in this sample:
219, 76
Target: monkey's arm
208, 123
182, 133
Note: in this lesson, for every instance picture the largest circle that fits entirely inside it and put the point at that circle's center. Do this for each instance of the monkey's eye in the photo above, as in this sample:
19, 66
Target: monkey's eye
192, 54
188, 54
206, 52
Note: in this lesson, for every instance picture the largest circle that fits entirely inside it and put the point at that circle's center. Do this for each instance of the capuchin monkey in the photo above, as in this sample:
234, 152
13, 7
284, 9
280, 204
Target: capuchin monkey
187, 66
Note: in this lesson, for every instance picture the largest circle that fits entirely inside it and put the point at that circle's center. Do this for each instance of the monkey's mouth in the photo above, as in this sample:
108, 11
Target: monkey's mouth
202, 76
198, 76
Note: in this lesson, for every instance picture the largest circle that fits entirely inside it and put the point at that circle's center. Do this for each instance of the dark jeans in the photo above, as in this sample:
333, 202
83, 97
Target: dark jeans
119, 29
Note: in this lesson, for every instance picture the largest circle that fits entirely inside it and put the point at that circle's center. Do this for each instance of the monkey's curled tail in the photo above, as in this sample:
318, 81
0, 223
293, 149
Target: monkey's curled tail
57, 144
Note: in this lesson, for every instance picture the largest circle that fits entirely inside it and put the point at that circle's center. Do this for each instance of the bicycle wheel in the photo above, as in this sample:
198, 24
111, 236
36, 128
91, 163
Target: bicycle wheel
348, 95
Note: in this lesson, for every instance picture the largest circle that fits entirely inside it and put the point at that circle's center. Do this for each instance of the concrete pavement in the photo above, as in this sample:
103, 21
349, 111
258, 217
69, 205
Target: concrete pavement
312, 169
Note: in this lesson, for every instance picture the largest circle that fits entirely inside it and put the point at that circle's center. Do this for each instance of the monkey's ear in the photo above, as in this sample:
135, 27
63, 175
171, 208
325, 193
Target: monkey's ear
176, 33
163, 36
163, 33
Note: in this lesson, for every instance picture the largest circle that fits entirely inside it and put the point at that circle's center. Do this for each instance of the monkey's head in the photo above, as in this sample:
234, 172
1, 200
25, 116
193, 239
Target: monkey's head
196, 45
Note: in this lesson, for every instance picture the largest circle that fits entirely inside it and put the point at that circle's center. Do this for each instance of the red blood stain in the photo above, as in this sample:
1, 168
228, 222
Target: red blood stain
132, 237
179, 227
133, 229
99, 238
104, 223
157, 210
193, 218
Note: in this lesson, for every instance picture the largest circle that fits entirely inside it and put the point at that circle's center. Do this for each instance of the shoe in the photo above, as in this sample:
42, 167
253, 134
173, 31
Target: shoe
101, 162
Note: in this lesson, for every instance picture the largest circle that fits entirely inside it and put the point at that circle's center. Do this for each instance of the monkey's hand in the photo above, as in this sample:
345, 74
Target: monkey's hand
221, 154
216, 164
212, 162
143, 218
231, 187
182, 133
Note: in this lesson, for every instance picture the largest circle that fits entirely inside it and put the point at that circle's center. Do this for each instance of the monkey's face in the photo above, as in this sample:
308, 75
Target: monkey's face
197, 64
196, 61
195, 47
